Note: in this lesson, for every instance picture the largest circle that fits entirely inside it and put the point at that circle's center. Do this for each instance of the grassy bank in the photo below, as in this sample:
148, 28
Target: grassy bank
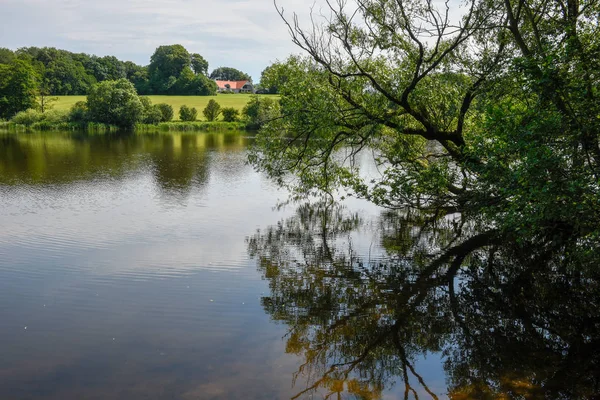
198, 126
237, 101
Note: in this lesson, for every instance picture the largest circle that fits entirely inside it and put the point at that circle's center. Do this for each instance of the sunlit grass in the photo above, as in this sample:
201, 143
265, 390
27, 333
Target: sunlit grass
237, 101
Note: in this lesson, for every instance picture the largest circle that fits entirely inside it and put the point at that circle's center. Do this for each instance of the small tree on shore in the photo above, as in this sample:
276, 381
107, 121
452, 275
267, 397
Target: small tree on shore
230, 114
187, 114
212, 110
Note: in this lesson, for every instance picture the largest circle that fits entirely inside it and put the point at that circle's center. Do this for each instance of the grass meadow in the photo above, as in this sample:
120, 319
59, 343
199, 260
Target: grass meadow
237, 101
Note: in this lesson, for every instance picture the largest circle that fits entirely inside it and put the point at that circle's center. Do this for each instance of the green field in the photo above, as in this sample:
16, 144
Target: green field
237, 101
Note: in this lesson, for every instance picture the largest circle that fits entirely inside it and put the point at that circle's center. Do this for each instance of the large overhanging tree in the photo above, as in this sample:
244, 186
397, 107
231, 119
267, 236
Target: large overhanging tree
492, 113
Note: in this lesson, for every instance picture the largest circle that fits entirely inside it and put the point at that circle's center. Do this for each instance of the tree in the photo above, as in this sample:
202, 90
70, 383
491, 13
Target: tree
212, 110
115, 103
274, 76
63, 72
493, 115
138, 76
193, 85
199, 64
166, 65
188, 114
229, 74
45, 99
18, 86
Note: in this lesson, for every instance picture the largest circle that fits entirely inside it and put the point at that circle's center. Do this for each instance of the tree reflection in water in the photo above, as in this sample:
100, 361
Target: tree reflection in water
509, 323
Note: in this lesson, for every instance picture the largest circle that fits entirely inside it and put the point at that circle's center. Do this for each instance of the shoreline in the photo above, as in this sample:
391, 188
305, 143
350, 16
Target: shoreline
177, 126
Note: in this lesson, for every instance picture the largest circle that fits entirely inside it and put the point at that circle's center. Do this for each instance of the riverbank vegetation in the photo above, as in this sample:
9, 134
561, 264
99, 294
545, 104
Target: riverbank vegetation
115, 105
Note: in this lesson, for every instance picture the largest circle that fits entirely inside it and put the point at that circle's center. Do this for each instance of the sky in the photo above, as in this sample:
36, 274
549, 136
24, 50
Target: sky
245, 34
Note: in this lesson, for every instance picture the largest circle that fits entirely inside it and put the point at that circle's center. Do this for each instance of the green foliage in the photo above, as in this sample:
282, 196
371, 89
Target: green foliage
115, 103
498, 121
274, 76
199, 64
166, 111
166, 62
229, 74
193, 85
68, 77
18, 87
173, 70
259, 111
230, 114
152, 113
6, 55
188, 114
45, 99
31, 117
27, 117
138, 76
56, 116
212, 110
79, 113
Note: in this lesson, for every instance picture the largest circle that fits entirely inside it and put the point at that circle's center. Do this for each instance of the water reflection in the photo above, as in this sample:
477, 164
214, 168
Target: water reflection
177, 161
124, 256
506, 326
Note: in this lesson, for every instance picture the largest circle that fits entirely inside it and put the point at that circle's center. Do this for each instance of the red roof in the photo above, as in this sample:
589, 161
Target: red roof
232, 84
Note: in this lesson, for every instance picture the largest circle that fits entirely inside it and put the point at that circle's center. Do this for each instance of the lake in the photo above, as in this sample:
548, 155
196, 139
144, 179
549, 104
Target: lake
160, 267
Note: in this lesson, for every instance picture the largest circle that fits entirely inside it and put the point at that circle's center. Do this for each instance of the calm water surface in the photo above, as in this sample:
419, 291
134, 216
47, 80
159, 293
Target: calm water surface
156, 267
124, 270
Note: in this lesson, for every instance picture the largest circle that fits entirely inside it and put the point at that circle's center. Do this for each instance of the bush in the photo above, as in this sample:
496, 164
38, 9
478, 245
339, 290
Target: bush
153, 116
230, 114
187, 114
27, 117
78, 113
115, 103
167, 112
56, 116
212, 110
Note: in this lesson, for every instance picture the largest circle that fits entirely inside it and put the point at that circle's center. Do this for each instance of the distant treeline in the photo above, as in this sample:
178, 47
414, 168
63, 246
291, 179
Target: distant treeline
172, 70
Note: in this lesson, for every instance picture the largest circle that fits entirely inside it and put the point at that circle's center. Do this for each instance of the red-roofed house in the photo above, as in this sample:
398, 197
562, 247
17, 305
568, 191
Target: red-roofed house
235, 86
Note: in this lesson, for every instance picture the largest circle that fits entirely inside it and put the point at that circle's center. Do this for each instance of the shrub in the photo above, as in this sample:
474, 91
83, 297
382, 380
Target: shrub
187, 114
78, 113
27, 117
56, 116
167, 112
153, 115
230, 114
212, 110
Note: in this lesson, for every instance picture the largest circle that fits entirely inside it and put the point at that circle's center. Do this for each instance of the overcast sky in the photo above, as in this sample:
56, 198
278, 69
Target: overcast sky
244, 34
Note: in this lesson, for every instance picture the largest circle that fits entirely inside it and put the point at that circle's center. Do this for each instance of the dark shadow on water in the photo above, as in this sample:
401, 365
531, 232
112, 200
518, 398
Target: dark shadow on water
506, 324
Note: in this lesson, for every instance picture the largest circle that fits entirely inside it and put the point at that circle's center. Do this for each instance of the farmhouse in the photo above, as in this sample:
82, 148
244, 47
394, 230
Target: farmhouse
235, 86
